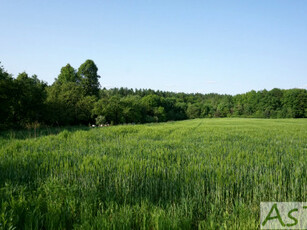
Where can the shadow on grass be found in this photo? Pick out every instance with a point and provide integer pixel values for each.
(23, 134)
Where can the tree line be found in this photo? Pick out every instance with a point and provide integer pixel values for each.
(76, 98)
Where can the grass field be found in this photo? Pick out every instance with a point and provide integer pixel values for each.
(196, 174)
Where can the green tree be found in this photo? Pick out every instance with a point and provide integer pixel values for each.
(62, 103)
(68, 74)
(133, 111)
(152, 104)
(159, 114)
(87, 73)
(295, 103)
(84, 108)
(193, 111)
(224, 108)
(206, 110)
(30, 97)
(7, 98)
(110, 108)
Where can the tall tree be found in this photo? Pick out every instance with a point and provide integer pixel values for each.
(30, 98)
(68, 74)
(87, 73)
(62, 103)
(7, 98)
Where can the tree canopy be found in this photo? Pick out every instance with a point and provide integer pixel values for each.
(76, 98)
(68, 74)
(87, 72)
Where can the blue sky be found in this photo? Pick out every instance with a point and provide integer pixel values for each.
(183, 46)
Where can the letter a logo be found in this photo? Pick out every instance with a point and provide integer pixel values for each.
(270, 217)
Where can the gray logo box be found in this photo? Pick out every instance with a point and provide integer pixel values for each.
(283, 215)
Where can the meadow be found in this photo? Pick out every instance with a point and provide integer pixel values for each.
(195, 174)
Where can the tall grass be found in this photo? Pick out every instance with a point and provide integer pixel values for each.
(197, 174)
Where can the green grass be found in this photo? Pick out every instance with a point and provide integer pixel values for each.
(196, 174)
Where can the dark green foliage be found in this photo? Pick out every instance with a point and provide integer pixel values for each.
(21, 100)
(67, 104)
(87, 73)
(133, 110)
(7, 90)
(62, 102)
(30, 98)
(154, 106)
(193, 110)
(75, 98)
(294, 103)
(110, 108)
(68, 74)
